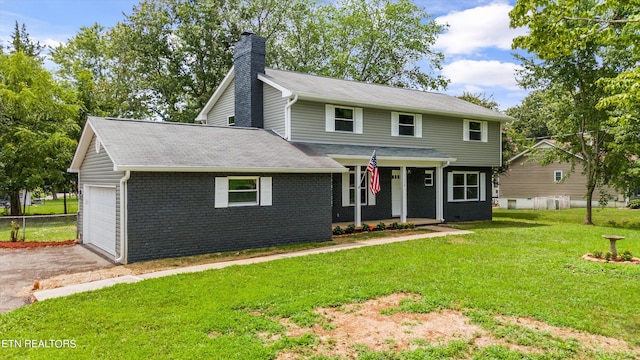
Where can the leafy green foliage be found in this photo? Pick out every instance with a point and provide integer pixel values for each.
(634, 204)
(572, 57)
(38, 118)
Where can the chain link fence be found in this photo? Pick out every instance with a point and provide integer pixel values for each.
(39, 227)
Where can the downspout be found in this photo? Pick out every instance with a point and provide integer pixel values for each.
(287, 117)
(123, 218)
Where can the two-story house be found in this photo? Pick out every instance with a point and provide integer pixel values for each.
(276, 159)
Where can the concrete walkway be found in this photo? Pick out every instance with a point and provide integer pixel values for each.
(94, 285)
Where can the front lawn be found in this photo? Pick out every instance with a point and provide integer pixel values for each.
(524, 264)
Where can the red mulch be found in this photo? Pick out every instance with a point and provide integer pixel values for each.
(32, 244)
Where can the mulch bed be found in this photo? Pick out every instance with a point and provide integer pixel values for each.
(590, 257)
(33, 244)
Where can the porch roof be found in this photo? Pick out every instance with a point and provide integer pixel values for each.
(347, 151)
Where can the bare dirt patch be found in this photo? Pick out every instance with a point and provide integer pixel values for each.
(348, 327)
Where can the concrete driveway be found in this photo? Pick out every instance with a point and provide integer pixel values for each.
(19, 268)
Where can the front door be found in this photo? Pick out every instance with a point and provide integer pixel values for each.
(396, 193)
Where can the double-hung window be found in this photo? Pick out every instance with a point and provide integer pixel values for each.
(350, 186)
(343, 119)
(475, 130)
(467, 186)
(243, 191)
(557, 176)
(404, 124)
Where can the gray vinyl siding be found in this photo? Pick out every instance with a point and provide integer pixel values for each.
(223, 108)
(274, 106)
(529, 179)
(97, 169)
(445, 134)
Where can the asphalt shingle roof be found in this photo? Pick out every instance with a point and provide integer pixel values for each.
(139, 145)
(373, 95)
(366, 150)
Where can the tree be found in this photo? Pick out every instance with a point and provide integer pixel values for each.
(170, 55)
(36, 116)
(21, 42)
(571, 59)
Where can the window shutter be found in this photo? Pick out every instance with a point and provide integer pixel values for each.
(465, 130)
(395, 123)
(483, 186)
(371, 198)
(265, 191)
(330, 118)
(222, 192)
(358, 120)
(485, 131)
(345, 189)
(418, 129)
(450, 186)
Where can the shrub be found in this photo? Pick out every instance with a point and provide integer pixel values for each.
(351, 228)
(396, 226)
(366, 227)
(598, 254)
(608, 256)
(634, 204)
(381, 226)
(15, 231)
(338, 231)
(626, 255)
(410, 226)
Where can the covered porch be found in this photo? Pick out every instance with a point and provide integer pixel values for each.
(411, 184)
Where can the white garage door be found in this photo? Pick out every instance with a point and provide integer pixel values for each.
(99, 221)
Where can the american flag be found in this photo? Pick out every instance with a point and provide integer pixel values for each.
(374, 186)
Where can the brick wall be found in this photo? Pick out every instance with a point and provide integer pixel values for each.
(173, 214)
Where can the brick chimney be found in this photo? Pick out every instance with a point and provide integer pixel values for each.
(249, 61)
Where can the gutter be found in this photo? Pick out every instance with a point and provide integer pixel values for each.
(122, 259)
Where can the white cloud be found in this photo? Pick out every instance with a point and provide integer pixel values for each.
(477, 28)
(482, 73)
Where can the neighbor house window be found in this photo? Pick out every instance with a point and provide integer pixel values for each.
(231, 120)
(557, 176)
(343, 119)
(475, 130)
(349, 187)
(243, 191)
(638, 192)
(467, 186)
(403, 124)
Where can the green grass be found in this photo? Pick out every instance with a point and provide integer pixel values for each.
(39, 229)
(525, 263)
(50, 207)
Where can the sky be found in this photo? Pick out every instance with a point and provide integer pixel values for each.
(476, 45)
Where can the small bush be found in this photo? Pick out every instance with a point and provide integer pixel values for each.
(608, 256)
(338, 231)
(381, 226)
(351, 228)
(634, 204)
(598, 254)
(410, 226)
(396, 226)
(15, 231)
(366, 227)
(626, 255)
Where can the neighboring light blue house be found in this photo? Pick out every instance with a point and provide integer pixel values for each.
(274, 161)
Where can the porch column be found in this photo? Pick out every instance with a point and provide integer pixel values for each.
(403, 207)
(357, 210)
(439, 194)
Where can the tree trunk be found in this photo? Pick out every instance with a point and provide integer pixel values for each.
(588, 220)
(14, 197)
(55, 194)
